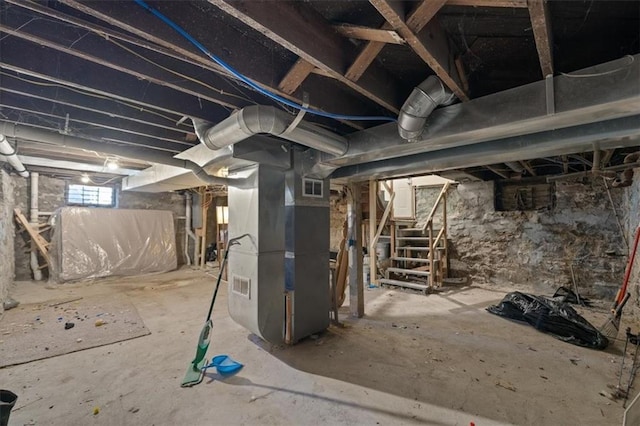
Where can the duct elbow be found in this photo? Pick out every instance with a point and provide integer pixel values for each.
(426, 97)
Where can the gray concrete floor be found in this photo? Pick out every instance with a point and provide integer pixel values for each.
(438, 360)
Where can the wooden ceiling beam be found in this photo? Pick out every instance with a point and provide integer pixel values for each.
(295, 76)
(227, 42)
(541, 24)
(419, 17)
(369, 34)
(429, 43)
(303, 31)
(488, 3)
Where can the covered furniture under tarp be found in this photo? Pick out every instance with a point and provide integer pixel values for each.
(95, 242)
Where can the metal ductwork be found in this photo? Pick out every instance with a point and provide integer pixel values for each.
(426, 97)
(11, 156)
(627, 175)
(21, 131)
(260, 119)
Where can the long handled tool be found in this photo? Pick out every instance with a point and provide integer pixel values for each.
(195, 372)
(611, 327)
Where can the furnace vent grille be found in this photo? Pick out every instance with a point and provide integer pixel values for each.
(241, 285)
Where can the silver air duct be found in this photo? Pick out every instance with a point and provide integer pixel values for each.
(10, 155)
(33, 134)
(426, 97)
(259, 119)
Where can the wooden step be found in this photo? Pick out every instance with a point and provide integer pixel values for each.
(413, 238)
(417, 248)
(410, 229)
(410, 259)
(417, 272)
(407, 284)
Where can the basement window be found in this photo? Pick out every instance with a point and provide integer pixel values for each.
(90, 196)
(312, 188)
(524, 196)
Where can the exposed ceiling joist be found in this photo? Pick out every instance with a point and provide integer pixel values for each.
(370, 34)
(488, 3)
(303, 31)
(117, 63)
(227, 42)
(541, 24)
(365, 58)
(295, 76)
(419, 17)
(429, 43)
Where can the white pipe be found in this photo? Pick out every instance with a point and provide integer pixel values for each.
(33, 211)
(189, 232)
(10, 155)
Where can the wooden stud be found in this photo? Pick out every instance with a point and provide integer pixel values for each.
(296, 75)
(430, 44)
(373, 218)
(356, 286)
(540, 22)
(366, 56)
(370, 34)
(528, 167)
(488, 3)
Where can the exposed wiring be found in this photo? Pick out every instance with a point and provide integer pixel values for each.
(186, 77)
(250, 82)
(82, 92)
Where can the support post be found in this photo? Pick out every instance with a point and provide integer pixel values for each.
(373, 219)
(203, 246)
(356, 285)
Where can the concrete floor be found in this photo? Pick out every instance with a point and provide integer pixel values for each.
(437, 360)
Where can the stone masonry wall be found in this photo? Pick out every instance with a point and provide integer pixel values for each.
(534, 249)
(630, 209)
(338, 214)
(6, 236)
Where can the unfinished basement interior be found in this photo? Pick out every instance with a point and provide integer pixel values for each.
(261, 212)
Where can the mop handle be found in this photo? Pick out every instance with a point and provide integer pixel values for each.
(231, 242)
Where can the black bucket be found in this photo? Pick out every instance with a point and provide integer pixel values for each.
(7, 401)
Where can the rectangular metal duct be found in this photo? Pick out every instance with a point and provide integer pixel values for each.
(256, 266)
(307, 251)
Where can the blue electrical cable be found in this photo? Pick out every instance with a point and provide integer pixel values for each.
(246, 80)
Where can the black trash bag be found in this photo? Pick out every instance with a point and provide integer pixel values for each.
(550, 316)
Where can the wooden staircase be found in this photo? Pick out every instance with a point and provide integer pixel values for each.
(420, 254)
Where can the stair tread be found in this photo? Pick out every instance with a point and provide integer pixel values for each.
(409, 271)
(413, 238)
(417, 248)
(410, 259)
(407, 284)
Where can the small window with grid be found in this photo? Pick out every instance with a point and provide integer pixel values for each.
(312, 188)
(90, 196)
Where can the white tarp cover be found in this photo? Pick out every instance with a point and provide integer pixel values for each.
(95, 242)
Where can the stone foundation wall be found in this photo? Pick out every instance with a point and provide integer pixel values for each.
(7, 229)
(338, 209)
(534, 249)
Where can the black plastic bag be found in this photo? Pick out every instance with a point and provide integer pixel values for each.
(550, 316)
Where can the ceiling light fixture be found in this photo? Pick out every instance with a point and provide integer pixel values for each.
(112, 163)
(85, 178)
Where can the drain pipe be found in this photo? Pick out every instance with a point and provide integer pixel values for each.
(256, 119)
(426, 97)
(189, 234)
(20, 131)
(12, 158)
(627, 175)
(33, 212)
